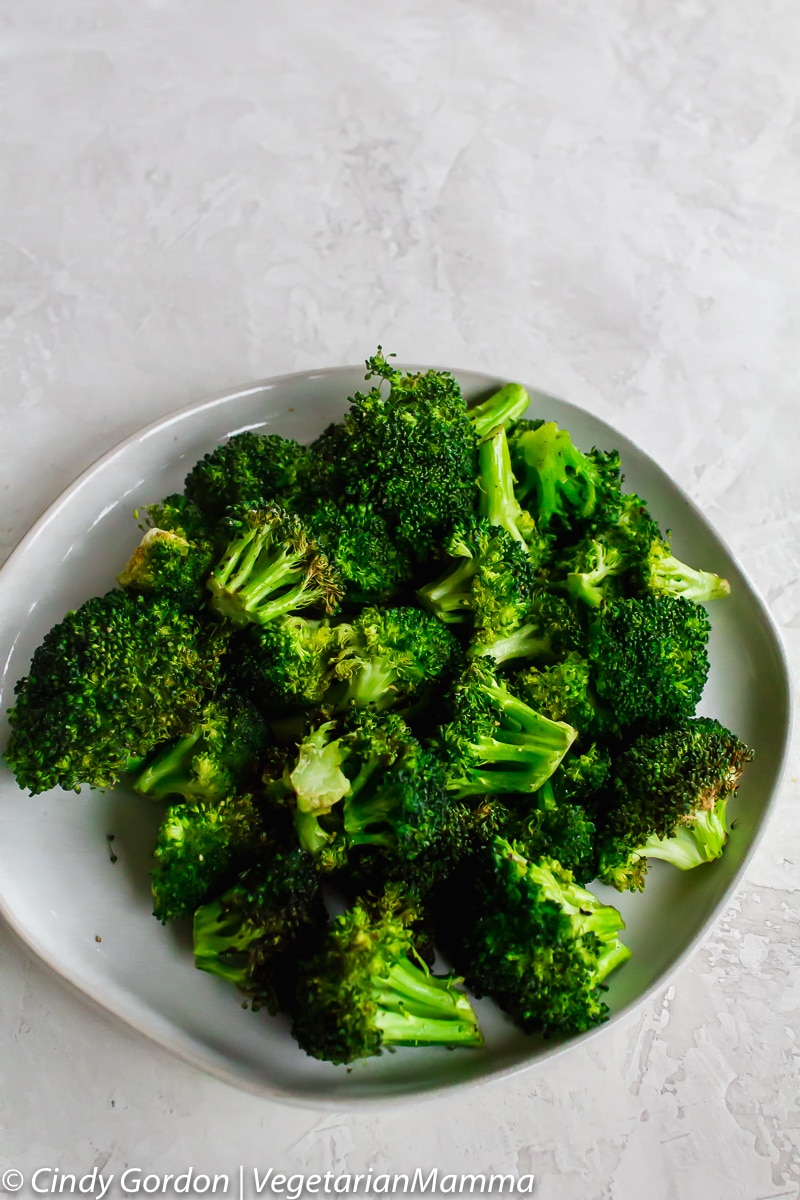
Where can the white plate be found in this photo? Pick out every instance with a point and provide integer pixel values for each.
(61, 892)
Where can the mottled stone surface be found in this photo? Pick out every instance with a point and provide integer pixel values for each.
(601, 198)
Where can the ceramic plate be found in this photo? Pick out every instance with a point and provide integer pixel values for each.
(89, 917)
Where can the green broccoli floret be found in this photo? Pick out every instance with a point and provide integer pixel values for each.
(250, 470)
(358, 539)
(219, 757)
(396, 802)
(311, 783)
(562, 691)
(665, 575)
(254, 934)
(271, 567)
(115, 678)
(286, 664)
(649, 657)
(365, 990)
(490, 586)
(668, 800)
(556, 481)
(199, 845)
(391, 657)
(539, 944)
(495, 743)
(410, 453)
(175, 554)
(549, 632)
(552, 827)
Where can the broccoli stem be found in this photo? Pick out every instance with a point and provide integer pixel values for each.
(525, 642)
(450, 596)
(372, 683)
(259, 582)
(497, 501)
(502, 408)
(417, 1008)
(666, 573)
(169, 773)
(520, 755)
(221, 942)
(698, 841)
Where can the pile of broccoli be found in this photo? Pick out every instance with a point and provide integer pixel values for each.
(408, 689)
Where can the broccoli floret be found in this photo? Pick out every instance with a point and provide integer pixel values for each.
(250, 470)
(539, 944)
(286, 664)
(271, 567)
(358, 539)
(311, 784)
(562, 691)
(396, 802)
(199, 845)
(391, 657)
(175, 554)
(550, 631)
(665, 575)
(556, 481)
(365, 990)
(650, 658)
(490, 586)
(115, 678)
(551, 827)
(495, 743)
(668, 800)
(410, 453)
(219, 757)
(255, 932)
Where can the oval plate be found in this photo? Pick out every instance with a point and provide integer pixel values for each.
(89, 917)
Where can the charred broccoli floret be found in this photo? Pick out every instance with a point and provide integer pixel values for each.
(668, 800)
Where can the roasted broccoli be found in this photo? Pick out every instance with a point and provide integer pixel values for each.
(117, 677)
(668, 800)
(365, 990)
(250, 470)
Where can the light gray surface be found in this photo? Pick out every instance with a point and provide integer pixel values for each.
(601, 198)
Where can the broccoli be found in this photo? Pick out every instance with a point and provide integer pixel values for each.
(554, 828)
(538, 943)
(250, 470)
(664, 574)
(286, 664)
(358, 539)
(649, 657)
(410, 453)
(253, 934)
(363, 992)
(668, 800)
(562, 691)
(495, 743)
(121, 674)
(550, 631)
(199, 845)
(175, 554)
(556, 482)
(219, 757)
(391, 657)
(491, 585)
(396, 801)
(271, 567)
(504, 407)
(497, 502)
